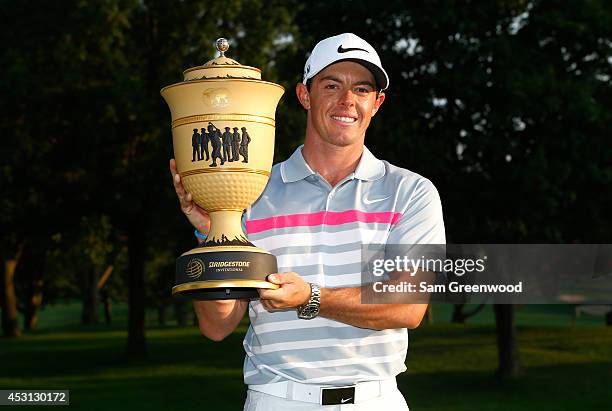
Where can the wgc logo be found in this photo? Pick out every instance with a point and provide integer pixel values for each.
(194, 268)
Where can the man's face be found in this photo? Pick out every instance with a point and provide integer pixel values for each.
(341, 102)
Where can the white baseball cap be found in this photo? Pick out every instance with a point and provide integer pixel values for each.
(345, 47)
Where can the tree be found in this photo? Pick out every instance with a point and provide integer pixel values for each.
(29, 282)
(93, 130)
(503, 105)
(148, 51)
(8, 298)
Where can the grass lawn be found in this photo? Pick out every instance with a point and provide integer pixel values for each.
(568, 366)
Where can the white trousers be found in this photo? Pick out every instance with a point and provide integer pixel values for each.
(258, 401)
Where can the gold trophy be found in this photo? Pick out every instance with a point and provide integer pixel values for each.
(223, 136)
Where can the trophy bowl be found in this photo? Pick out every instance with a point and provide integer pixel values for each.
(223, 137)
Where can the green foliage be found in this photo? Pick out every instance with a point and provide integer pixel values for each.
(505, 105)
(90, 248)
(87, 133)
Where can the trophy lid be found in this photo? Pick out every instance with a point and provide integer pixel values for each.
(222, 67)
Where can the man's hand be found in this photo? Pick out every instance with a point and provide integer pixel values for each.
(293, 292)
(196, 215)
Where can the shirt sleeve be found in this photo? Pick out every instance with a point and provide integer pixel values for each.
(422, 220)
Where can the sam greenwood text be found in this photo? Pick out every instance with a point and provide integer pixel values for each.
(453, 287)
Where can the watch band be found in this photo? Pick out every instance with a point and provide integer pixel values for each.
(310, 310)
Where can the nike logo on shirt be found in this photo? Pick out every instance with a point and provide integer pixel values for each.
(376, 200)
(346, 50)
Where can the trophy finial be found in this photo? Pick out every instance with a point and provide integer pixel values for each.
(222, 45)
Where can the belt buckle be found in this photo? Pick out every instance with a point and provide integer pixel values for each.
(338, 395)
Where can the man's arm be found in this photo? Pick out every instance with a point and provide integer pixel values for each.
(345, 304)
(218, 318)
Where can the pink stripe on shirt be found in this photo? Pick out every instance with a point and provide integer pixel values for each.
(319, 218)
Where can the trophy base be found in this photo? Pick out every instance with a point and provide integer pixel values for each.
(223, 272)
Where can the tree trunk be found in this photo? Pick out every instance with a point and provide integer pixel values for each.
(161, 314)
(136, 345)
(181, 312)
(34, 302)
(106, 303)
(30, 279)
(428, 313)
(9, 300)
(509, 365)
(91, 302)
(103, 295)
(459, 315)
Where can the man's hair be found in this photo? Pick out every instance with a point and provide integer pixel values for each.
(309, 83)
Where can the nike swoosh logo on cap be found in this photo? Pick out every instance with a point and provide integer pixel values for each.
(342, 401)
(346, 50)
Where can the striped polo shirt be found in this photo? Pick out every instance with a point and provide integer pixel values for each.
(317, 231)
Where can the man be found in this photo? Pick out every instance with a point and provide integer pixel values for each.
(204, 146)
(214, 135)
(235, 144)
(200, 143)
(195, 145)
(244, 145)
(312, 344)
(227, 141)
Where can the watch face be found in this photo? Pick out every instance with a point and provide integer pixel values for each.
(309, 311)
(311, 308)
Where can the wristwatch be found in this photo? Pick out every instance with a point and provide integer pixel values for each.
(310, 310)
